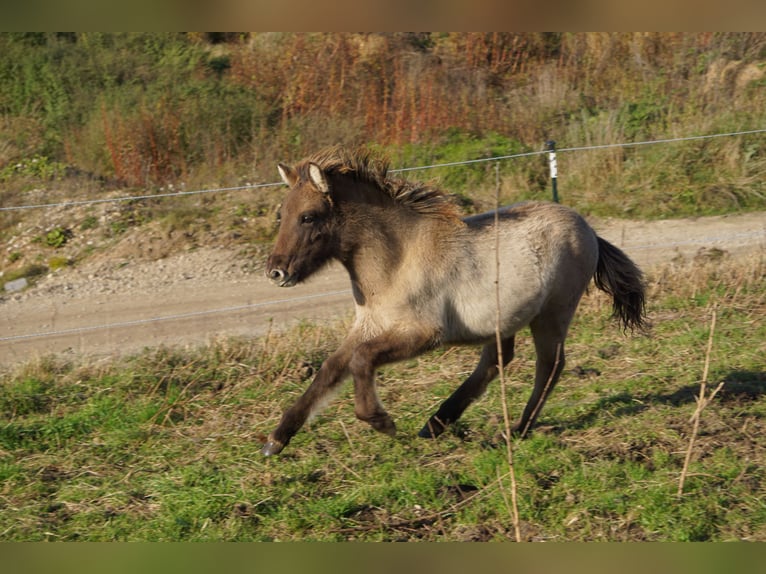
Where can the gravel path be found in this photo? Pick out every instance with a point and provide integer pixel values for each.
(108, 307)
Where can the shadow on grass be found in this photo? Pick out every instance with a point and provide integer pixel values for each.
(740, 387)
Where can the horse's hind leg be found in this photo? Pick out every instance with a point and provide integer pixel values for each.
(549, 335)
(471, 389)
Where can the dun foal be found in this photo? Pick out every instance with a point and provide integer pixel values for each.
(422, 277)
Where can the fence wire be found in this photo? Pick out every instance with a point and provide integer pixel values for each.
(73, 203)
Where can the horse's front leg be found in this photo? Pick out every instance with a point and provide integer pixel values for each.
(367, 357)
(330, 375)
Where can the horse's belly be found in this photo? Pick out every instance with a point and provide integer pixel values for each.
(474, 317)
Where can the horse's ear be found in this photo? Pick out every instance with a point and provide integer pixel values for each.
(318, 178)
(287, 174)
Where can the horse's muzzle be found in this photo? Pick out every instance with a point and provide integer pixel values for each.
(280, 277)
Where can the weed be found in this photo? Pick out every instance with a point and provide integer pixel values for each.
(55, 263)
(259, 98)
(58, 237)
(90, 222)
(117, 227)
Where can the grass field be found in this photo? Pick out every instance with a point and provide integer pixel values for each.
(164, 445)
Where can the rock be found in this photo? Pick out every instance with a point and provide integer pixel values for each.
(16, 285)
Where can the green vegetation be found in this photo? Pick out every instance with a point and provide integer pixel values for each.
(57, 237)
(164, 445)
(36, 168)
(55, 263)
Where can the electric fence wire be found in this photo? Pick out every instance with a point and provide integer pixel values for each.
(73, 203)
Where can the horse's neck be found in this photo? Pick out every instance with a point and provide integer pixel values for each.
(374, 242)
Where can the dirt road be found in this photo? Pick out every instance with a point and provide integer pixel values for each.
(111, 307)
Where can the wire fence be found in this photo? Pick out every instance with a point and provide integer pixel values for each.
(74, 203)
(746, 236)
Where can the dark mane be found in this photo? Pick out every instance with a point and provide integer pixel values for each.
(363, 166)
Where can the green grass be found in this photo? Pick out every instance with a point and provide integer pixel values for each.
(164, 445)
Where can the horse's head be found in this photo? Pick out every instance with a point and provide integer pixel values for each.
(305, 240)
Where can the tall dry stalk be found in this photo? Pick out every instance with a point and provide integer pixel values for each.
(514, 507)
(702, 401)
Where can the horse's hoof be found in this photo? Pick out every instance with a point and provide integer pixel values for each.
(272, 447)
(432, 429)
(520, 429)
(384, 425)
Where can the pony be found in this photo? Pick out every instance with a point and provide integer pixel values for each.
(422, 276)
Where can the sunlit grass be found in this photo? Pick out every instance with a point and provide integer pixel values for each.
(164, 445)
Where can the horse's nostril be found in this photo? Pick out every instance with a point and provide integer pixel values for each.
(276, 274)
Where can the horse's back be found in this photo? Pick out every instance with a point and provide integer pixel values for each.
(548, 230)
(565, 245)
(548, 254)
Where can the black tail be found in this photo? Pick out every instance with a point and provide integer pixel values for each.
(618, 276)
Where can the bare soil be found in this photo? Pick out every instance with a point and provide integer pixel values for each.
(116, 303)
